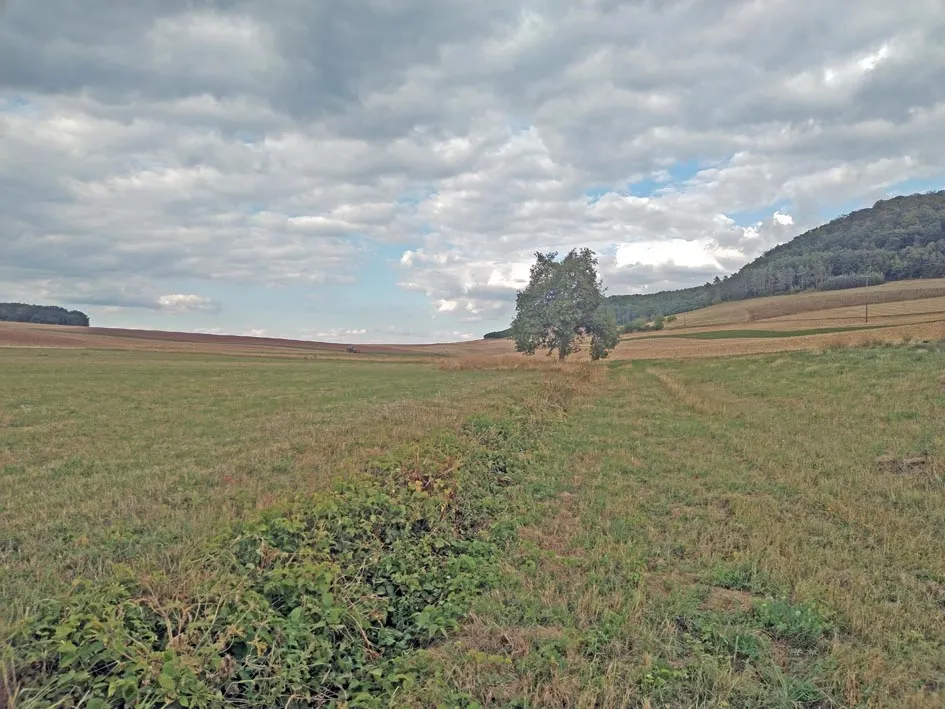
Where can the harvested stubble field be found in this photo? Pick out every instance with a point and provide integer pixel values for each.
(897, 312)
(745, 532)
(677, 346)
(818, 309)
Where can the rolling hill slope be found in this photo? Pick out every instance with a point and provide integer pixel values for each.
(896, 239)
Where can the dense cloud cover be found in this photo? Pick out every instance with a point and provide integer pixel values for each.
(384, 169)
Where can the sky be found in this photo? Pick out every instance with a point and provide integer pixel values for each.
(385, 170)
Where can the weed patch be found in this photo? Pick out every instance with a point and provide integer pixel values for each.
(318, 604)
(801, 624)
(742, 577)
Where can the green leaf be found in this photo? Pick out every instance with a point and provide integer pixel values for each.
(166, 683)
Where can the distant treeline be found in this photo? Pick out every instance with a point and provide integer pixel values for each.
(896, 239)
(42, 314)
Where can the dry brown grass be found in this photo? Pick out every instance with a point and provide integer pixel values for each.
(505, 362)
(682, 348)
(888, 313)
(784, 306)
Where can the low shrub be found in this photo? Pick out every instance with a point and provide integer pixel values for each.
(319, 605)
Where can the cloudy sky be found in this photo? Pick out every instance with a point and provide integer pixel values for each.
(383, 170)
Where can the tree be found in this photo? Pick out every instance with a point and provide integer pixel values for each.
(561, 305)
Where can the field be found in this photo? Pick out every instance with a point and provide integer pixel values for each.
(892, 312)
(460, 526)
(887, 302)
(50, 336)
(117, 456)
(759, 532)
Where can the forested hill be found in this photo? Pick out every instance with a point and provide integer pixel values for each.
(42, 314)
(895, 239)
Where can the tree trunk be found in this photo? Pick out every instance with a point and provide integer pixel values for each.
(561, 355)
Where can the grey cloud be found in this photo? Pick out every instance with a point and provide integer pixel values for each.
(652, 279)
(133, 294)
(307, 58)
(274, 142)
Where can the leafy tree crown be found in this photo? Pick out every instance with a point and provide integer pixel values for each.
(561, 305)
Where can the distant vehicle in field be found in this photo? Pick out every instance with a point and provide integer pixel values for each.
(352, 349)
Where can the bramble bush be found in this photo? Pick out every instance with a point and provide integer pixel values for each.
(318, 605)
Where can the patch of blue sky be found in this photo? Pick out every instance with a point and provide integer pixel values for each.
(748, 217)
(670, 178)
(416, 196)
(377, 278)
(373, 301)
(15, 104)
(595, 193)
(519, 124)
(247, 138)
(905, 187)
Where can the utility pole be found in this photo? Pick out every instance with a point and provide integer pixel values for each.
(867, 299)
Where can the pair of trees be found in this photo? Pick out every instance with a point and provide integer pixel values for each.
(561, 306)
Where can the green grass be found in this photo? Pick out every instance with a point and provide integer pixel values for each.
(141, 457)
(717, 534)
(709, 533)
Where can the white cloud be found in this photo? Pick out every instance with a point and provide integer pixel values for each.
(287, 147)
(341, 332)
(187, 303)
(678, 252)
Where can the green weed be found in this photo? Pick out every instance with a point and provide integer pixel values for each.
(802, 624)
(742, 577)
(310, 606)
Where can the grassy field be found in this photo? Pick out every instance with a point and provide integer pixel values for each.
(140, 457)
(757, 531)
(729, 533)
